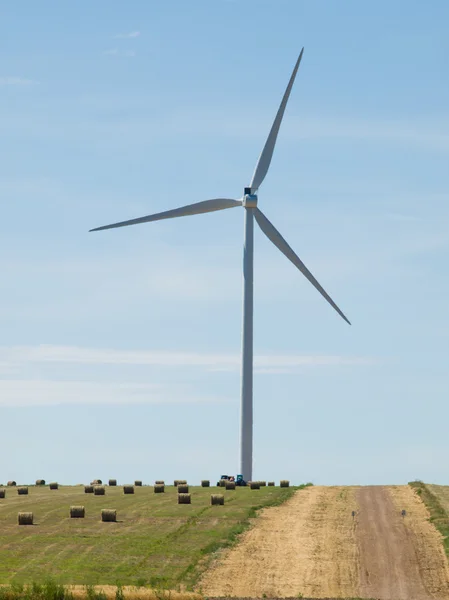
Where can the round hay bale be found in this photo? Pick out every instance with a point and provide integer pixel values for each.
(262, 483)
(22, 491)
(109, 515)
(271, 483)
(183, 488)
(96, 482)
(25, 518)
(54, 485)
(222, 482)
(254, 485)
(184, 498)
(99, 490)
(112, 482)
(2, 493)
(88, 489)
(138, 483)
(284, 483)
(205, 483)
(159, 488)
(178, 481)
(128, 489)
(77, 512)
(40, 481)
(11, 483)
(216, 499)
(230, 485)
(159, 482)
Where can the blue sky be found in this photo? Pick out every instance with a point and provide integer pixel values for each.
(119, 350)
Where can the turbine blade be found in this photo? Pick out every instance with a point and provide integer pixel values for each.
(265, 158)
(183, 211)
(273, 234)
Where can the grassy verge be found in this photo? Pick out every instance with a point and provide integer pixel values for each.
(438, 515)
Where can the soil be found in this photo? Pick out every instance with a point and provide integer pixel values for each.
(313, 545)
(401, 557)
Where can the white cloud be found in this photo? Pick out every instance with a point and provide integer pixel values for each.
(17, 355)
(131, 34)
(117, 52)
(17, 392)
(61, 375)
(17, 81)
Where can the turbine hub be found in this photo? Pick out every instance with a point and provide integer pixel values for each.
(249, 199)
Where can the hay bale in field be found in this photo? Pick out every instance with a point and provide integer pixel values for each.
(179, 481)
(284, 483)
(128, 489)
(230, 485)
(159, 488)
(77, 512)
(216, 499)
(11, 483)
(25, 518)
(2, 493)
(205, 483)
(184, 498)
(159, 482)
(22, 491)
(112, 482)
(183, 488)
(254, 485)
(99, 490)
(109, 515)
(222, 482)
(262, 483)
(96, 482)
(271, 483)
(40, 481)
(138, 483)
(88, 489)
(54, 485)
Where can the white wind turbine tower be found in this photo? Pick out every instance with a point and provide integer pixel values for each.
(249, 203)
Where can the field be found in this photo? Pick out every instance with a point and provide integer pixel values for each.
(155, 541)
(313, 546)
(383, 542)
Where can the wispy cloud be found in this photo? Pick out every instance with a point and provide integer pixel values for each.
(38, 392)
(117, 52)
(131, 34)
(402, 218)
(17, 81)
(60, 375)
(16, 355)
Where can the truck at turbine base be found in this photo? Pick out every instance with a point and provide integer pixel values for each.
(238, 479)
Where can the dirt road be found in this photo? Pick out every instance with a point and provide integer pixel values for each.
(312, 545)
(399, 557)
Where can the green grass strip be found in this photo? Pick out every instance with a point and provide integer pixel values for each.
(438, 516)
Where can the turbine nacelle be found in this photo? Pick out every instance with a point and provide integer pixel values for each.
(249, 200)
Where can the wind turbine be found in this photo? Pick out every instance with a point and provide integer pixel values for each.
(249, 203)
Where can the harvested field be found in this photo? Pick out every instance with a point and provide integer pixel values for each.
(305, 546)
(155, 540)
(312, 545)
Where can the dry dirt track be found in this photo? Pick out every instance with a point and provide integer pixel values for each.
(313, 546)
